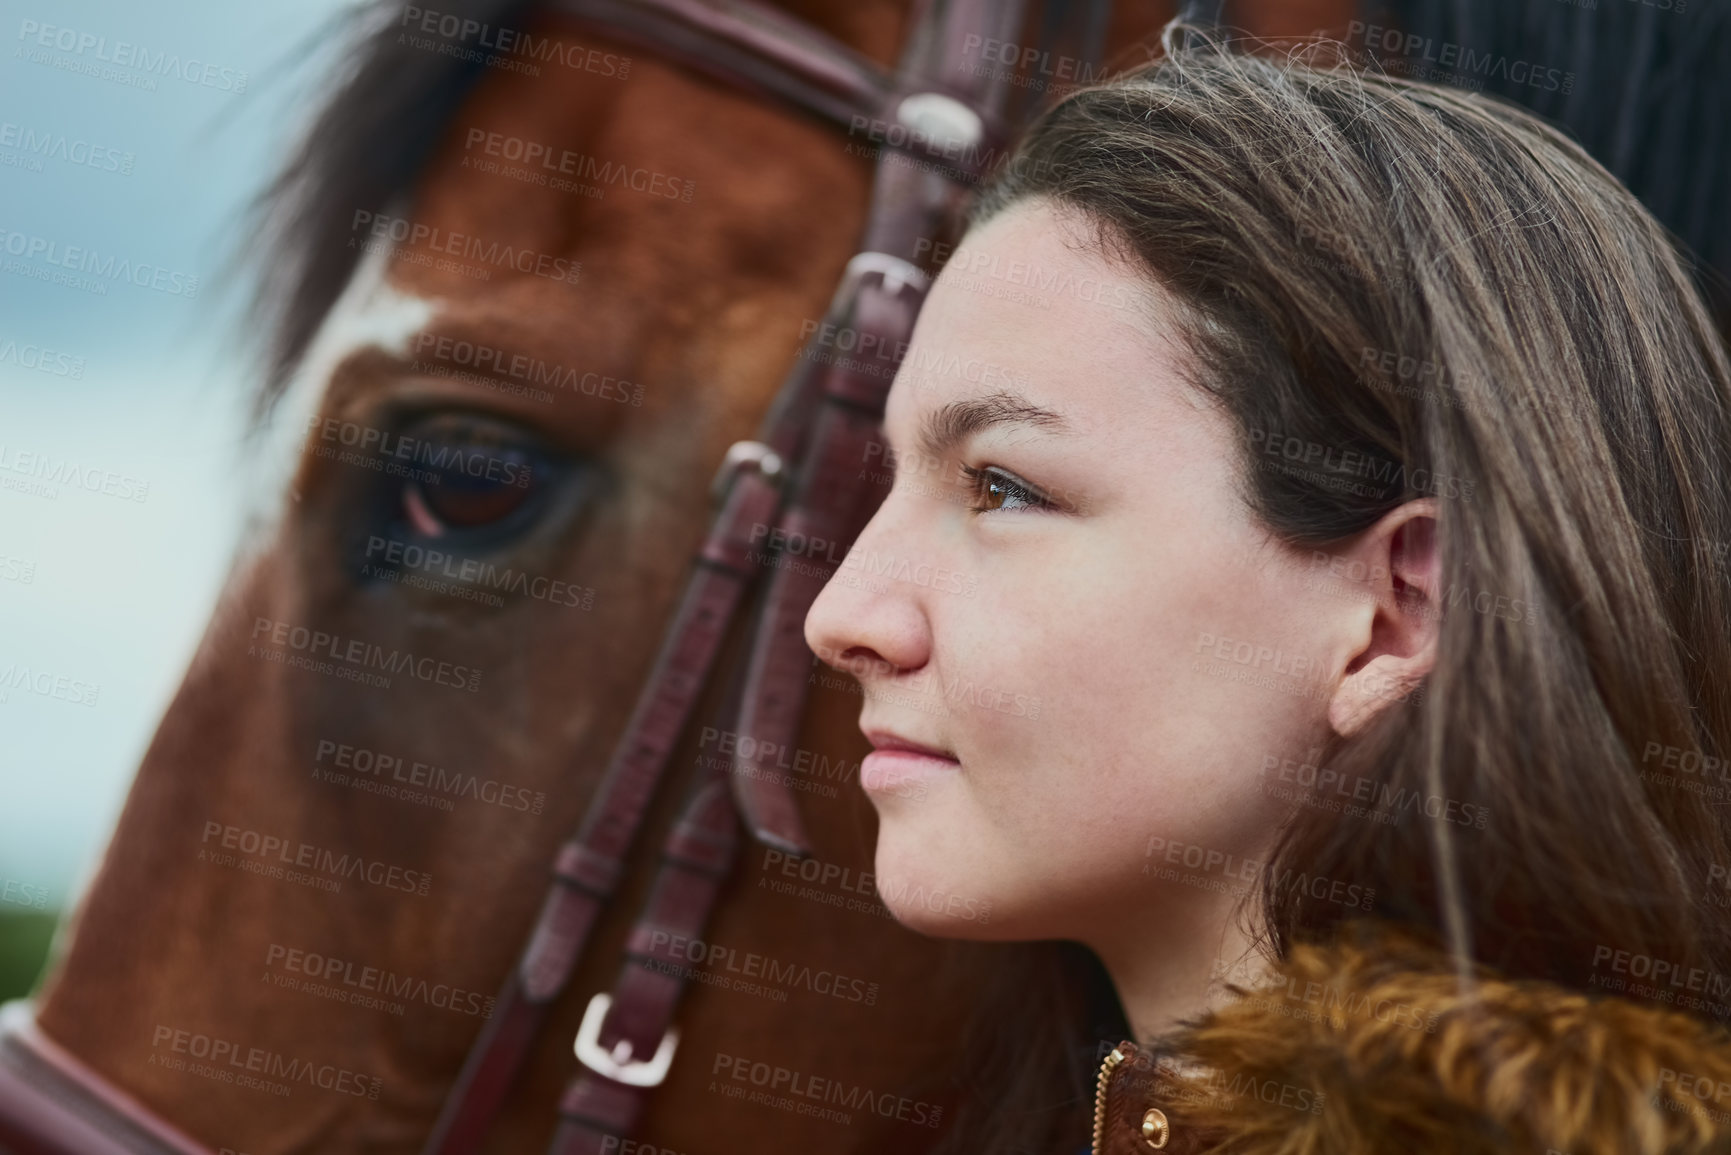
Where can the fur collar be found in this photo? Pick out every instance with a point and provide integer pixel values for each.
(1368, 1046)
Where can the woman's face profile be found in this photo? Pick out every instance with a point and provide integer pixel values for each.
(1093, 626)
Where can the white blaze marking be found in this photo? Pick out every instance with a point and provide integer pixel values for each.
(370, 314)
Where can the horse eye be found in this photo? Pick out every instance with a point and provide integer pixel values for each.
(453, 498)
(463, 475)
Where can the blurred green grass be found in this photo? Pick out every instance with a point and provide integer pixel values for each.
(24, 937)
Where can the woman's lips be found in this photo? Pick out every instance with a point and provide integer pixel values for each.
(890, 768)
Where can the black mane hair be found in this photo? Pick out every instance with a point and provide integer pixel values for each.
(389, 101)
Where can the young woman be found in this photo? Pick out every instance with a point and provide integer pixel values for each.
(1336, 645)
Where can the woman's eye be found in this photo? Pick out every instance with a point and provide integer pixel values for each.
(994, 490)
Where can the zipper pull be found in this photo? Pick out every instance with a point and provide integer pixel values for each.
(1119, 1054)
(1156, 1130)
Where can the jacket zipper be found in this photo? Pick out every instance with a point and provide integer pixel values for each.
(1106, 1068)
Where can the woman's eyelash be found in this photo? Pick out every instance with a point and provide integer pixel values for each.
(993, 485)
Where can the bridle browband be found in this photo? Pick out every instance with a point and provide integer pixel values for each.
(939, 121)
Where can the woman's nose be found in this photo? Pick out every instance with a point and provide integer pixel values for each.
(867, 625)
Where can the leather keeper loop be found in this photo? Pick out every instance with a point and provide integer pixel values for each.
(586, 870)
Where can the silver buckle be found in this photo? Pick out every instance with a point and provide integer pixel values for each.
(741, 454)
(618, 1064)
(897, 272)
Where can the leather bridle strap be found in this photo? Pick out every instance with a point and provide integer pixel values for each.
(764, 51)
(748, 45)
(589, 866)
(907, 205)
(696, 859)
(878, 303)
(52, 1104)
(829, 505)
(607, 1099)
(842, 481)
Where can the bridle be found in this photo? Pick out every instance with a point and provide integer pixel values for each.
(940, 121)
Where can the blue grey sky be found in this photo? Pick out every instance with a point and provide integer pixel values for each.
(137, 133)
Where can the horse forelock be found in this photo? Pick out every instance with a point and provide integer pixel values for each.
(367, 146)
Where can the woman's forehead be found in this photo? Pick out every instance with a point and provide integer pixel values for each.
(1030, 298)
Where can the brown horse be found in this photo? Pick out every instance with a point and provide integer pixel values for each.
(341, 831)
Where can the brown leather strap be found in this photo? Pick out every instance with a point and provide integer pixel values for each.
(748, 45)
(52, 1104)
(879, 302)
(695, 863)
(828, 507)
(589, 866)
(762, 50)
(907, 206)
(596, 1107)
(829, 503)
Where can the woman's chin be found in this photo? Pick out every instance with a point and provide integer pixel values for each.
(928, 903)
(912, 912)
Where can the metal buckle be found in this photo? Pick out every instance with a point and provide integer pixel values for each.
(739, 455)
(618, 1064)
(897, 273)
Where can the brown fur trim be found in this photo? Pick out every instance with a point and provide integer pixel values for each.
(1371, 1045)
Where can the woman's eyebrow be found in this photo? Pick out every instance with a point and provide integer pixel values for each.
(949, 425)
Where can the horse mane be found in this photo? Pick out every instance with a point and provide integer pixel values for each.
(1647, 102)
(388, 104)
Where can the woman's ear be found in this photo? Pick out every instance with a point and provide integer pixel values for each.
(1395, 646)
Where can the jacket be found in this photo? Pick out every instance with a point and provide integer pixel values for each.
(1371, 1045)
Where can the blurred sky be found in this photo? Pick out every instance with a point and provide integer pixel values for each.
(121, 589)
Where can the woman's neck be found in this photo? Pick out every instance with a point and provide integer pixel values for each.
(1173, 962)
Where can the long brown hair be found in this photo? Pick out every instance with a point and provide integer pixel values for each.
(1437, 281)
